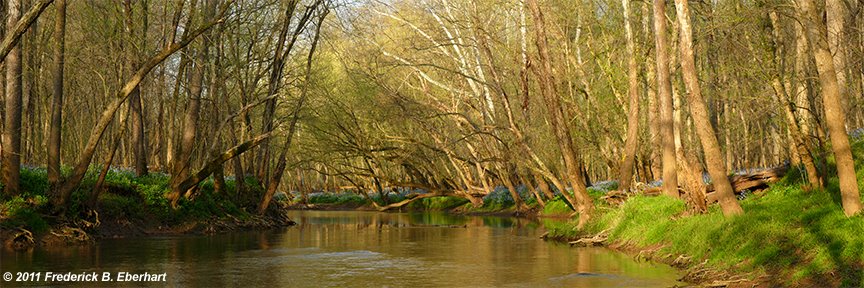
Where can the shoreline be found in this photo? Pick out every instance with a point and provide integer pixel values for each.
(73, 234)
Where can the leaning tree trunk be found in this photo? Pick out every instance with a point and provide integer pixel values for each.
(14, 31)
(832, 98)
(701, 120)
(800, 144)
(557, 119)
(283, 157)
(664, 93)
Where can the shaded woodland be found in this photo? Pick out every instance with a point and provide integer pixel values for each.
(451, 97)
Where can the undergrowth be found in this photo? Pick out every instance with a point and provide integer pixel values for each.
(124, 196)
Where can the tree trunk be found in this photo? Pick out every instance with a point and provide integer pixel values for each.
(12, 124)
(215, 162)
(832, 98)
(801, 90)
(528, 185)
(280, 54)
(702, 121)
(626, 173)
(517, 200)
(107, 116)
(274, 182)
(139, 141)
(13, 30)
(664, 92)
(112, 151)
(239, 174)
(800, 144)
(183, 159)
(557, 119)
(54, 138)
(835, 12)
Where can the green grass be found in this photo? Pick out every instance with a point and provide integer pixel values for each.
(345, 198)
(437, 203)
(793, 234)
(556, 207)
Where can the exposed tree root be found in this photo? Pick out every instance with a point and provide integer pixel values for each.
(597, 240)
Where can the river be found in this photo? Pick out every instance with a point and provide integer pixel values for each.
(354, 249)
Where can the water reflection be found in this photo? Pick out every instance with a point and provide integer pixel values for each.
(359, 249)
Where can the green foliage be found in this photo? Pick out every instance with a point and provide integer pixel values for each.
(337, 198)
(437, 203)
(34, 181)
(557, 207)
(391, 197)
(113, 204)
(21, 212)
(124, 196)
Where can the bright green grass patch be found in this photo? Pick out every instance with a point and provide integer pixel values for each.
(337, 198)
(556, 207)
(437, 203)
(802, 234)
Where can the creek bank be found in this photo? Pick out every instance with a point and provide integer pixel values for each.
(74, 233)
(697, 274)
(788, 237)
(129, 206)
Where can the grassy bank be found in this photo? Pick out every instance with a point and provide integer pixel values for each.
(129, 205)
(789, 236)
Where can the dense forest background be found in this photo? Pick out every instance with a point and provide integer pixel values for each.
(453, 97)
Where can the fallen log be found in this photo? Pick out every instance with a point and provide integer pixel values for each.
(410, 198)
(615, 197)
(754, 182)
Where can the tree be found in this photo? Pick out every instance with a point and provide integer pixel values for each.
(14, 31)
(282, 163)
(98, 130)
(139, 140)
(183, 158)
(832, 98)
(631, 144)
(557, 119)
(13, 102)
(701, 119)
(55, 133)
(664, 93)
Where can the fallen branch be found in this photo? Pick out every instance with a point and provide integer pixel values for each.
(411, 198)
(756, 181)
(596, 240)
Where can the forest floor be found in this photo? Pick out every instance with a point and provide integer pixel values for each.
(129, 206)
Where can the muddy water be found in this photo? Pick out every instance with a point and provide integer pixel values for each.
(353, 249)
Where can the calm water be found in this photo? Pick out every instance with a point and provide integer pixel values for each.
(357, 249)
